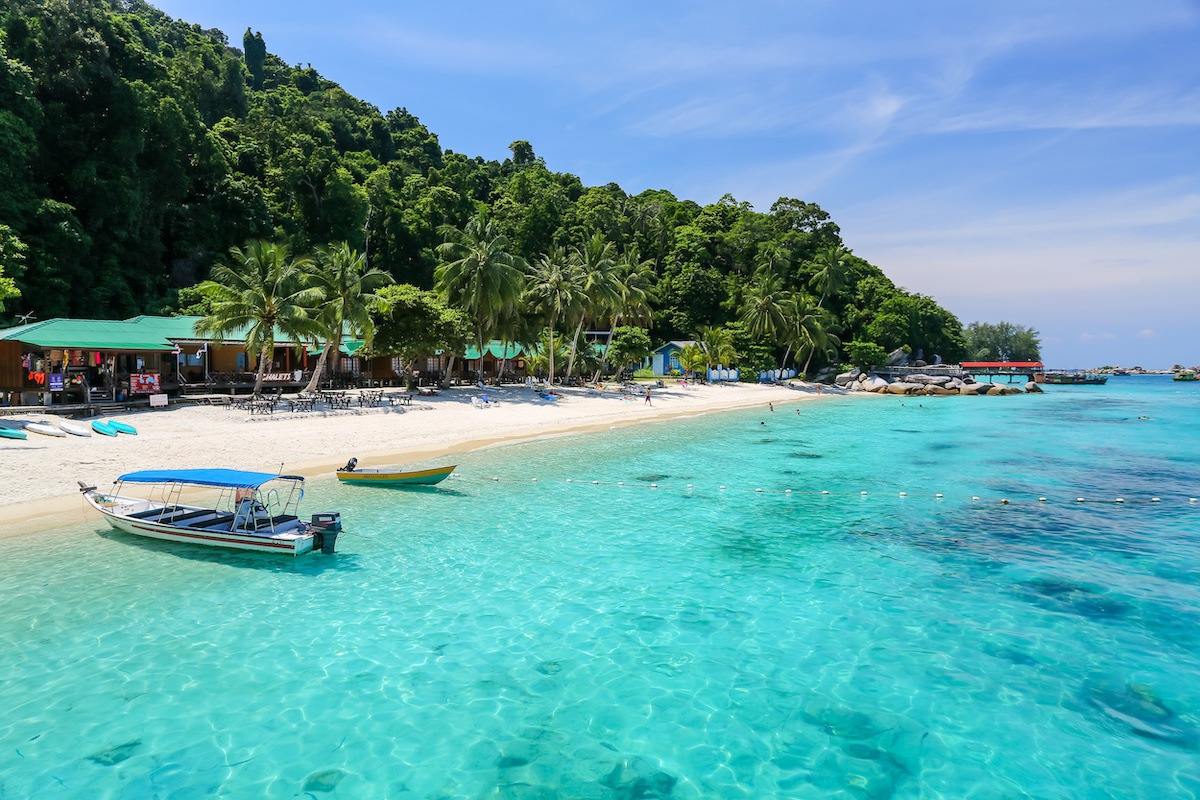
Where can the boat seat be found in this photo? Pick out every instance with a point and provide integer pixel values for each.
(188, 515)
(222, 523)
(150, 512)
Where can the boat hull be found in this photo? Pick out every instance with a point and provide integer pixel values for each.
(75, 429)
(45, 430)
(288, 544)
(12, 433)
(103, 428)
(371, 477)
(1072, 379)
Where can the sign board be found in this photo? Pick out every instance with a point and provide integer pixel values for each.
(54, 381)
(158, 401)
(144, 383)
(281, 376)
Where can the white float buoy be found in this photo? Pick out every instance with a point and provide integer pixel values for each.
(939, 494)
(722, 486)
(654, 486)
(904, 494)
(787, 491)
(1192, 500)
(534, 480)
(758, 490)
(1120, 500)
(569, 480)
(1154, 500)
(689, 486)
(975, 497)
(862, 493)
(1078, 499)
(824, 491)
(1003, 502)
(1041, 499)
(620, 483)
(595, 483)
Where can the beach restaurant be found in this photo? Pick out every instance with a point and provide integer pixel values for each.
(67, 361)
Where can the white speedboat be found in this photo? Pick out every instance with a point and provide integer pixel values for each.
(218, 508)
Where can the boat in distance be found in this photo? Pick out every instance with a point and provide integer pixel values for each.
(1071, 378)
(242, 516)
(390, 477)
(1186, 375)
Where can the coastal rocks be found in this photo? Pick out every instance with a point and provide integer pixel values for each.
(1033, 388)
(902, 387)
(873, 384)
(897, 358)
(846, 378)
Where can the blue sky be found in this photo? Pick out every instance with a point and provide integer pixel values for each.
(1024, 161)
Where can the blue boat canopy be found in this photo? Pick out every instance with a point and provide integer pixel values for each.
(240, 479)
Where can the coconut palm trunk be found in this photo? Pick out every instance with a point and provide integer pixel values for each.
(322, 360)
(264, 355)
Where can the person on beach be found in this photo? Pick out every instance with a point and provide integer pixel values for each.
(771, 406)
(818, 388)
(648, 397)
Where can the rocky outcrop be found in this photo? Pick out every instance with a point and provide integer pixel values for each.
(846, 378)
(1033, 388)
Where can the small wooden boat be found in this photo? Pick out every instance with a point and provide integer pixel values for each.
(390, 477)
(1186, 375)
(100, 426)
(45, 429)
(74, 428)
(243, 516)
(12, 433)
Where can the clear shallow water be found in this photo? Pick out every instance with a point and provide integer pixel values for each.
(552, 639)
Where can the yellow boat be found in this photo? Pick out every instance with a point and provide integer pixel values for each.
(381, 477)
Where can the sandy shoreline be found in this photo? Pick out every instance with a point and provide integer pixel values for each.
(39, 492)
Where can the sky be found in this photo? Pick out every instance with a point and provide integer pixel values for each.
(1022, 161)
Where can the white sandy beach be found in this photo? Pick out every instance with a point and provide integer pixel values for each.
(39, 489)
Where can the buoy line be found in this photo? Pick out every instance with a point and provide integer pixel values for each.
(689, 488)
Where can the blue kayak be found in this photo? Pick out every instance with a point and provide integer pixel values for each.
(121, 427)
(100, 426)
(12, 433)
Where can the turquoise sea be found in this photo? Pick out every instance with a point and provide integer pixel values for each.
(551, 639)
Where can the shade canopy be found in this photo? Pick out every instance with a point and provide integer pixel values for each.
(236, 478)
(1001, 364)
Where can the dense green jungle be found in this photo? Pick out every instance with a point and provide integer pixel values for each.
(136, 150)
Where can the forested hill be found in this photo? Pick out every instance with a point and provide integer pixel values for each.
(135, 150)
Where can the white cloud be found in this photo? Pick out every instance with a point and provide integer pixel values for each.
(1146, 333)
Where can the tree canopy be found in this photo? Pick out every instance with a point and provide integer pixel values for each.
(136, 150)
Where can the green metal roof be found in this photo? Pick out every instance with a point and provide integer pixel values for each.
(496, 349)
(88, 334)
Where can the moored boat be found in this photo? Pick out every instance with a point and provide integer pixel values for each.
(389, 477)
(1071, 378)
(243, 516)
(1184, 375)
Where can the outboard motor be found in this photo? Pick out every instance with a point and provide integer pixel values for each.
(350, 465)
(326, 526)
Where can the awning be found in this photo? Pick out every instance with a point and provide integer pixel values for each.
(240, 479)
(87, 334)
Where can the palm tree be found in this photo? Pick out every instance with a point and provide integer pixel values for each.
(600, 290)
(480, 276)
(692, 358)
(832, 271)
(717, 344)
(553, 290)
(765, 312)
(261, 293)
(811, 329)
(633, 282)
(344, 289)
